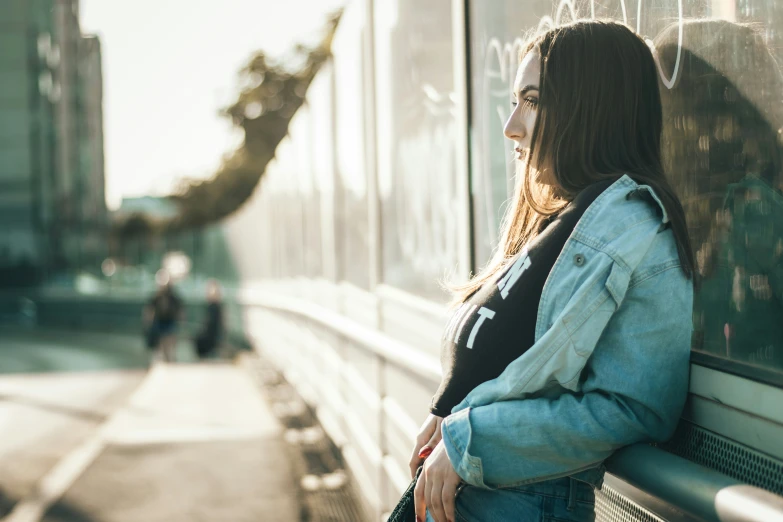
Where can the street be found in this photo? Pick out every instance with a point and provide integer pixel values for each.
(89, 434)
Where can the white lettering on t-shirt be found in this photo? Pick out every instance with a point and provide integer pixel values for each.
(458, 321)
(454, 321)
(512, 276)
(485, 314)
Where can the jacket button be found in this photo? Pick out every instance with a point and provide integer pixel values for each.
(579, 260)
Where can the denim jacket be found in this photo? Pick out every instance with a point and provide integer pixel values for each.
(610, 362)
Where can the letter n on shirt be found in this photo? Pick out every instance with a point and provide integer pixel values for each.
(512, 276)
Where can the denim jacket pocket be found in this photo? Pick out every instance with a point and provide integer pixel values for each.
(586, 322)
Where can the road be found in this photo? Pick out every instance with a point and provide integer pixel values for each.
(91, 435)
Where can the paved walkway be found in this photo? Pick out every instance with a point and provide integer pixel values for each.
(194, 442)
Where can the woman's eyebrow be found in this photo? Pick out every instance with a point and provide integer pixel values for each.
(526, 88)
(523, 90)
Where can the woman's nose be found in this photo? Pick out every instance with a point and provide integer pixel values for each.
(514, 130)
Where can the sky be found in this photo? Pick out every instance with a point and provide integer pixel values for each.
(168, 67)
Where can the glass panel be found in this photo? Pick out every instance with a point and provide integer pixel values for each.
(352, 220)
(721, 147)
(320, 99)
(309, 201)
(416, 130)
(290, 208)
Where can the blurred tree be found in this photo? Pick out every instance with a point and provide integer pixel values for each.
(273, 92)
(130, 235)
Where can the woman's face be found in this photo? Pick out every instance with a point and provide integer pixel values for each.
(519, 127)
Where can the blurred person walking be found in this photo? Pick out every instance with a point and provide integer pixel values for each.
(162, 315)
(208, 340)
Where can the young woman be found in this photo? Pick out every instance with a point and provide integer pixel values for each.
(574, 340)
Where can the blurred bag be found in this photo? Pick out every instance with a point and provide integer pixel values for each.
(406, 510)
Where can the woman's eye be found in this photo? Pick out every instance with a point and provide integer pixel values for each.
(530, 103)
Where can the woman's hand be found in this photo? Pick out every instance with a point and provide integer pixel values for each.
(428, 438)
(436, 488)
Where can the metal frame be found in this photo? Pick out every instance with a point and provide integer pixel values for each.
(698, 491)
(754, 398)
(460, 38)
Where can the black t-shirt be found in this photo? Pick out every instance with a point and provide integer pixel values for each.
(497, 324)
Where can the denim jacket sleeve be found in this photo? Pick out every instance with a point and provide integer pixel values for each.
(634, 389)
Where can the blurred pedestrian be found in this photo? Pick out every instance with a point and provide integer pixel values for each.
(208, 340)
(163, 314)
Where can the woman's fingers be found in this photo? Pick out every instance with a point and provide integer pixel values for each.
(414, 465)
(428, 438)
(419, 502)
(432, 498)
(436, 436)
(423, 453)
(448, 495)
(419, 454)
(441, 485)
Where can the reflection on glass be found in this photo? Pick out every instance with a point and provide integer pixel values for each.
(722, 149)
(416, 131)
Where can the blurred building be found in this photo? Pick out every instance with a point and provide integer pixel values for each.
(92, 214)
(51, 140)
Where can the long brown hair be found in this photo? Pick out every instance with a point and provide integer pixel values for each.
(599, 117)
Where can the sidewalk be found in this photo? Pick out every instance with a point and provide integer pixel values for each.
(195, 442)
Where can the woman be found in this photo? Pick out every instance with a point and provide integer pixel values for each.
(574, 340)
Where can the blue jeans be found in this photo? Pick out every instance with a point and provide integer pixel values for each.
(560, 500)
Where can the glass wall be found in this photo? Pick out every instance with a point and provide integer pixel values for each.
(309, 201)
(320, 98)
(721, 89)
(416, 142)
(287, 229)
(352, 218)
